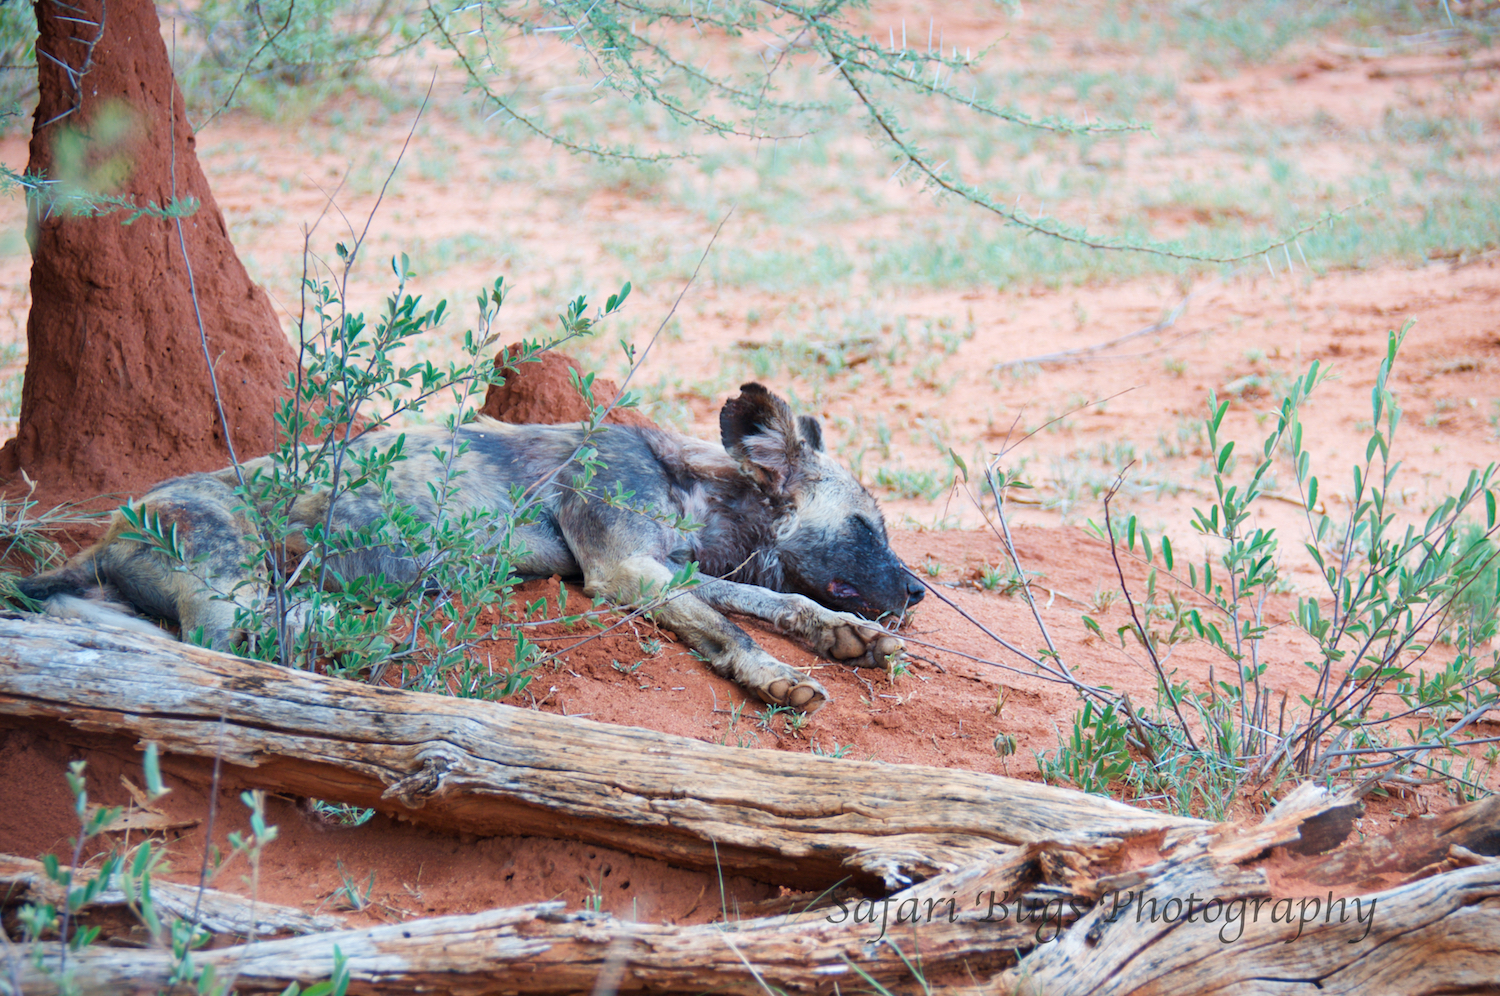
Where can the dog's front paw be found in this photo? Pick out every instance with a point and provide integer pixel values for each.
(852, 638)
(793, 688)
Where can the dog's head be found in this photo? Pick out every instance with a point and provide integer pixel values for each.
(830, 536)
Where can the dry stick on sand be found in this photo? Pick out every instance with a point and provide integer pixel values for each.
(1161, 675)
(1085, 352)
(1483, 66)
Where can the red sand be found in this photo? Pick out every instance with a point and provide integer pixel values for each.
(948, 709)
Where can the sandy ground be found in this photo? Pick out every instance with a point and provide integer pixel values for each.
(900, 377)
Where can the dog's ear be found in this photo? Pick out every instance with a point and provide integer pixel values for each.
(812, 432)
(758, 430)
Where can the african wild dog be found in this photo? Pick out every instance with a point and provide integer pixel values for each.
(788, 536)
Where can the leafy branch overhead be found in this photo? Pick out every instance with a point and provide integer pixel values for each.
(79, 200)
(641, 50)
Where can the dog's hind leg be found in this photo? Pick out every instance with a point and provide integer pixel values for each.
(729, 650)
(839, 636)
(215, 577)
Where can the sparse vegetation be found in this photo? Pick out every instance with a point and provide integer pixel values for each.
(1392, 592)
(52, 932)
(895, 319)
(836, 751)
(923, 484)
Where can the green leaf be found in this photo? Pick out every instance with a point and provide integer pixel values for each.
(154, 787)
(1218, 416)
(963, 467)
(1166, 551)
(617, 300)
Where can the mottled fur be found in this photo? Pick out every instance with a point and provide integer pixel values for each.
(788, 535)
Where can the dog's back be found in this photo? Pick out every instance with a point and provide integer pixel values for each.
(120, 576)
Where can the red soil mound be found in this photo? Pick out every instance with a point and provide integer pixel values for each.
(117, 393)
(541, 392)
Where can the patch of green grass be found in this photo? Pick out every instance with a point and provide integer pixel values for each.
(1446, 220)
(975, 253)
(1001, 578)
(637, 181)
(902, 483)
(1084, 476)
(818, 267)
(1447, 224)
(433, 256)
(17, 49)
(1222, 35)
(341, 813)
(836, 751)
(1096, 753)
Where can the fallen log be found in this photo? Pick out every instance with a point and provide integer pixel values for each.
(1438, 935)
(1415, 845)
(1435, 935)
(1035, 888)
(24, 880)
(477, 767)
(1304, 930)
(542, 949)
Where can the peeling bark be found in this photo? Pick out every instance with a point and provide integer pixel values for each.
(455, 764)
(1034, 889)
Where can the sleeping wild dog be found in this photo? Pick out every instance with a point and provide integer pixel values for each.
(788, 535)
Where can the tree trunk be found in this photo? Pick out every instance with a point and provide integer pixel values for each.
(996, 886)
(117, 393)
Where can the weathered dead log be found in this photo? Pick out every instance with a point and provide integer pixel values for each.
(1413, 846)
(542, 949)
(477, 767)
(1197, 909)
(1436, 935)
(1201, 922)
(24, 880)
(1439, 935)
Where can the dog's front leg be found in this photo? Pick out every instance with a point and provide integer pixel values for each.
(728, 649)
(840, 636)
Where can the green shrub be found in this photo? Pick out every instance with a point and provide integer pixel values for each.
(1391, 593)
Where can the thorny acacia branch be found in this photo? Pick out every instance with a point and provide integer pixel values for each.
(618, 42)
